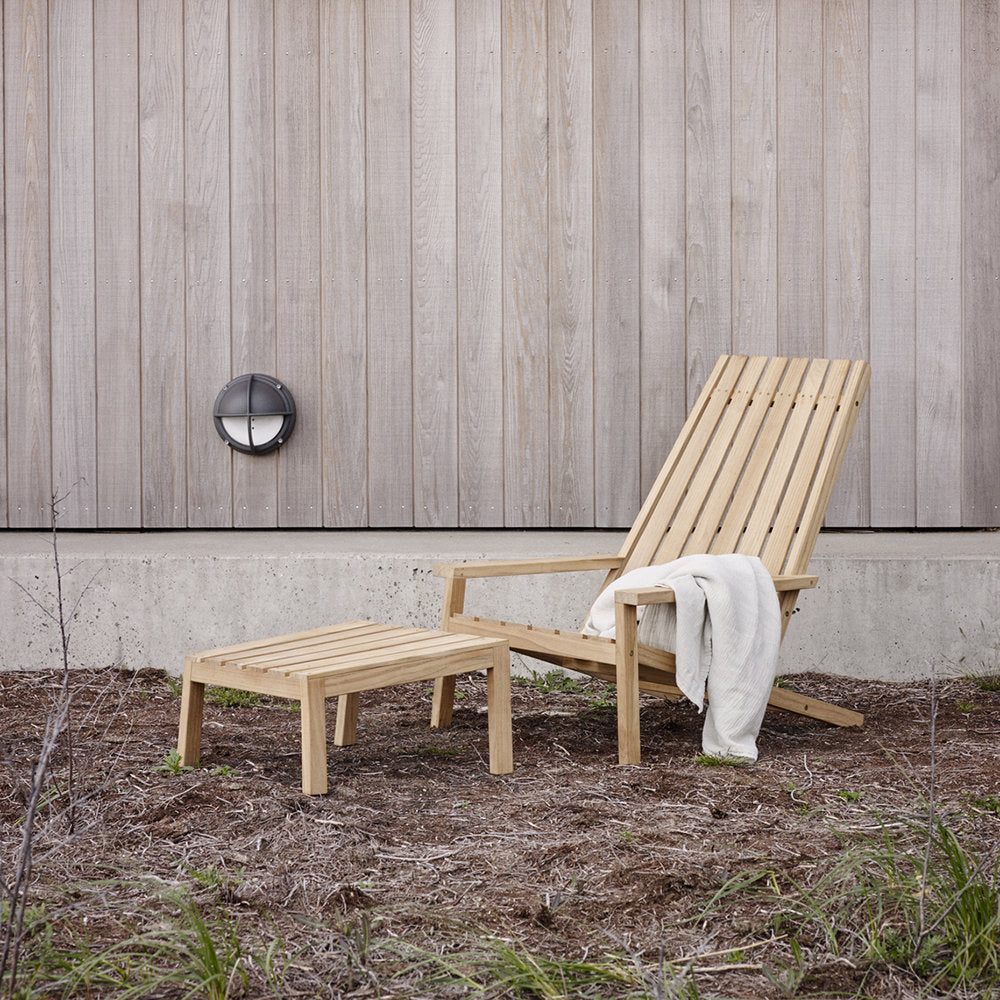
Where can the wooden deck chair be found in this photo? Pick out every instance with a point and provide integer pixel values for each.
(751, 472)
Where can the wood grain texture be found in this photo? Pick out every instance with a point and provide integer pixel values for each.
(71, 263)
(981, 255)
(435, 263)
(26, 106)
(116, 259)
(662, 235)
(847, 227)
(252, 262)
(893, 260)
(345, 340)
(525, 258)
(709, 189)
(480, 266)
(571, 97)
(616, 261)
(297, 257)
(938, 200)
(469, 278)
(755, 177)
(3, 339)
(800, 178)
(206, 252)
(390, 353)
(161, 249)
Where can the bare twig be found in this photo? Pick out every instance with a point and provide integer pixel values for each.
(922, 930)
(17, 892)
(64, 647)
(59, 722)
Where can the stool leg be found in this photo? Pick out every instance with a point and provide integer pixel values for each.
(313, 699)
(498, 708)
(192, 709)
(346, 733)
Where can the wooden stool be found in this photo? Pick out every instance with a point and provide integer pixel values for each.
(342, 661)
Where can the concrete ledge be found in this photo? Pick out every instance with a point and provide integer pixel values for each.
(888, 606)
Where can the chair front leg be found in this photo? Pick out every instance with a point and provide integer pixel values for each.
(444, 687)
(627, 675)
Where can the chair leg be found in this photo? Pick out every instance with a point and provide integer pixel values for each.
(313, 697)
(192, 710)
(444, 687)
(498, 710)
(443, 702)
(801, 704)
(346, 733)
(627, 674)
(789, 701)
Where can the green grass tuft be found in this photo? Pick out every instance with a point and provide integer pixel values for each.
(233, 697)
(172, 763)
(721, 760)
(552, 681)
(490, 965)
(915, 896)
(985, 680)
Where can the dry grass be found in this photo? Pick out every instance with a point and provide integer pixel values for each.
(422, 875)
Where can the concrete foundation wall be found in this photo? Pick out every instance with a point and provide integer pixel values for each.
(888, 605)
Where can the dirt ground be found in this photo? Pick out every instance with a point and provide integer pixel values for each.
(570, 856)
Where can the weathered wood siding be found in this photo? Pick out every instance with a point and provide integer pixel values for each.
(492, 246)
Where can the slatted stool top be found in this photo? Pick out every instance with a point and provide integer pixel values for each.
(347, 656)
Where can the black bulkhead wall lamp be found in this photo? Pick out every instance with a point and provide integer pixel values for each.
(254, 414)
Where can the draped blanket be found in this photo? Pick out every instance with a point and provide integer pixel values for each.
(724, 630)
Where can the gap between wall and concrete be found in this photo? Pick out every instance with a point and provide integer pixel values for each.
(888, 604)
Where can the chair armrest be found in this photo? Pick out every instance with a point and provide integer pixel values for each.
(797, 581)
(664, 595)
(522, 567)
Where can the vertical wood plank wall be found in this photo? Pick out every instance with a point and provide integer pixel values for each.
(116, 264)
(493, 247)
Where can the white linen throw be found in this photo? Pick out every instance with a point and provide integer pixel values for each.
(724, 630)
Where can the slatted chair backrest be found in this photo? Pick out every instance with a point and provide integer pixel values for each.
(754, 465)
